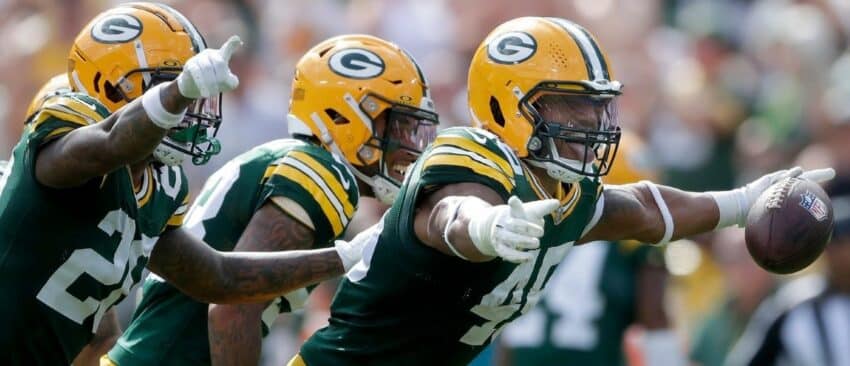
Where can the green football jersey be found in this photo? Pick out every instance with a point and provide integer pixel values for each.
(407, 304)
(68, 255)
(169, 328)
(590, 301)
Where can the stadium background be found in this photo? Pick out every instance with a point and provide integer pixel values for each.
(721, 91)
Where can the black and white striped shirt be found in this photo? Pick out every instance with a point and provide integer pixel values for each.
(803, 324)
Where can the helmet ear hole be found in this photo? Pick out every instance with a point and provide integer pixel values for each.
(112, 93)
(97, 82)
(496, 110)
(337, 118)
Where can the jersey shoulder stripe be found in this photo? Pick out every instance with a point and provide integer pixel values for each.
(309, 181)
(467, 154)
(338, 183)
(479, 142)
(73, 108)
(325, 186)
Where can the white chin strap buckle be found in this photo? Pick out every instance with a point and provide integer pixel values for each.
(385, 191)
(560, 173)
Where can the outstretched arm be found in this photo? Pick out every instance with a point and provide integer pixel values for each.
(238, 277)
(657, 214)
(471, 221)
(440, 208)
(631, 212)
(234, 330)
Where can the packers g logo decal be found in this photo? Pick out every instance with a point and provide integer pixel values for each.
(356, 63)
(511, 47)
(118, 28)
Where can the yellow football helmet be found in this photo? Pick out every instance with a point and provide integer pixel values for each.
(126, 50)
(528, 66)
(56, 85)
(367, 100)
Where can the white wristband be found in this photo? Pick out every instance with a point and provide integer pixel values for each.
(152, 105)
(665, 212)
(453, 211)
(730, 205)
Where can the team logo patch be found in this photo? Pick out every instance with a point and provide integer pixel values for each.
(511, 47)
(117, 28)
(357, 63)
(814, 205)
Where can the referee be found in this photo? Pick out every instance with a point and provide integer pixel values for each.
(808, 322)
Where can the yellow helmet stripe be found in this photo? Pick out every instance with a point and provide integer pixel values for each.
(597, 68)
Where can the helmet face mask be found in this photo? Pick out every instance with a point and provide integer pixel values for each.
(400, 134)
(573, 128)
(195, 136)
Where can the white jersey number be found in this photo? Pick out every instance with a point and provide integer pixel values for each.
(54, 293)
(574, 297)
(211, 198)
(493, 307)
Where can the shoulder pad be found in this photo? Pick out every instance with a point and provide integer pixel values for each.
(74, 108)
(477, 143)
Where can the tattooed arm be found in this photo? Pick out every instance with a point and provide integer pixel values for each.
(234, 330)
(125, 137)
(238, 277)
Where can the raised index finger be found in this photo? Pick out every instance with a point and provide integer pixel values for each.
(230, 46)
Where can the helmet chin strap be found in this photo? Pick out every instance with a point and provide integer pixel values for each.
(385, 190)
(558, 171)
(167, 155)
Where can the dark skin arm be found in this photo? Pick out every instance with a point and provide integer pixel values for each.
(434, 210)
(211, 276)
(125, 137)
(234, 330)
(107, 334)
(630, 212)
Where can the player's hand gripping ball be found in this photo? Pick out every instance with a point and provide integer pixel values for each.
(789, 224)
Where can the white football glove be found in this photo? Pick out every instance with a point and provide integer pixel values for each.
(511, 231)
(734, 205)
(350, 252)
(208, 73)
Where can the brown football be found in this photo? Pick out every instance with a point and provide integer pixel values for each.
(789, 225)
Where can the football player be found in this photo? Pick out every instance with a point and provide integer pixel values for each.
(94, 191)
(360, 113)
(597, 294)
(459, 254)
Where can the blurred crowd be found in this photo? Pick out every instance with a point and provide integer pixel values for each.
(720, 91)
